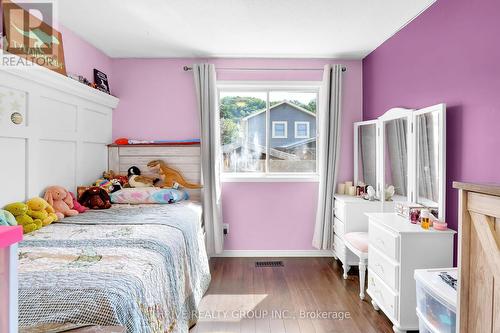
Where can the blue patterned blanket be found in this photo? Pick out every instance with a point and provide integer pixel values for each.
(143, 267)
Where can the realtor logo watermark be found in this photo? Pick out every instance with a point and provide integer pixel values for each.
(271, 314)
(28, 34)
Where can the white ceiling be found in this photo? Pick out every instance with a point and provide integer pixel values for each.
(238, 28)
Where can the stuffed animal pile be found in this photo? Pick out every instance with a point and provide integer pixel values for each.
(32, 215)
(59, 202)
(111, 175)
(112, 182)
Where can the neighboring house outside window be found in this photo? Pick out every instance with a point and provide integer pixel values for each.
(301, 130)
(280, 130)
(281, 115)
(268, 131)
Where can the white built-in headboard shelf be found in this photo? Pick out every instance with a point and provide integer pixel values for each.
(62, 136)
(184, 158)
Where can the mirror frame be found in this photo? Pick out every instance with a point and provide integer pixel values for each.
(357, 125)
(441, 109)
(392, 114)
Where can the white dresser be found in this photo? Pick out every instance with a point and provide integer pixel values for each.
(350, 217)
(396, 248)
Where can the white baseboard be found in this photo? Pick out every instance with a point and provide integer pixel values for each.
(275, 253)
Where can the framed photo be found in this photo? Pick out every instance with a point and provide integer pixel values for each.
(101, 81)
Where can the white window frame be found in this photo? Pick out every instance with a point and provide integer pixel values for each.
(308, 135)
(267, 87)
(285, 136)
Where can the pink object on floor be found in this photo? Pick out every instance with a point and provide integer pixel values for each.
(358, 239)
(10, 235)
(76, 205)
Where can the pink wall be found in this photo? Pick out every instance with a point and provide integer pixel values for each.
(269, 216)
(157, 100)
(448, 54)
(81, 57)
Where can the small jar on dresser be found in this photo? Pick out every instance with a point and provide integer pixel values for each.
(349, 216)
(396, 248)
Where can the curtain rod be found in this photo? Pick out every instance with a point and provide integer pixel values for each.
(187, 68)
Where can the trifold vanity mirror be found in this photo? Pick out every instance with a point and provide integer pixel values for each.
(402, 155)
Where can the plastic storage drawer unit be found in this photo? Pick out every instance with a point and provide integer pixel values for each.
(436, 300)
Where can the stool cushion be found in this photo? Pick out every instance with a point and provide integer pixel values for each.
(358, 239)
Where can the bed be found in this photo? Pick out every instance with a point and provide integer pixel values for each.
(143, 267)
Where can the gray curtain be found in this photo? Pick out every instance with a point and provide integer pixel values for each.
(329, 145)
(206, 93)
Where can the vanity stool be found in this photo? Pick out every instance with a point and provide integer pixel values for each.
(357, 243)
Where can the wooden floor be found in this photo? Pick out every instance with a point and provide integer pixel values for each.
(291, 299)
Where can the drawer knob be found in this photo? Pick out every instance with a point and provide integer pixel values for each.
(381, 268)
(16, 118)
(381, 241)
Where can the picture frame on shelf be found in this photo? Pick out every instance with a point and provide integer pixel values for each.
(101, 81)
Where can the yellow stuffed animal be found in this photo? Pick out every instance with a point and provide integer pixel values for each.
(40, 209)
(20, 210)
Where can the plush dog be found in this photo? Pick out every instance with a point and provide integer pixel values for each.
(40, 209)
(95, 198)
(59, 198)
(20, 212)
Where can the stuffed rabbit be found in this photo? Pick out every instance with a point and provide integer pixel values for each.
(59, 198)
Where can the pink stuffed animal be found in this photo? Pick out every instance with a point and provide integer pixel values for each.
(76, 205)
(59, 198)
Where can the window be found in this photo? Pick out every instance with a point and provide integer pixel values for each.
(255, 138)
(302, 129)
(280, 130)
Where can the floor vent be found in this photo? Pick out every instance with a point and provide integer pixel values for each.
(269, 264)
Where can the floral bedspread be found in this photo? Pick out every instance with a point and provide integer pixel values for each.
(143, 267)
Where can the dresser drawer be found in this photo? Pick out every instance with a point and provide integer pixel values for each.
(339, 209)
(383, 295)
(338, 227)
(385, 268)
(338, 246)
(383, 240)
